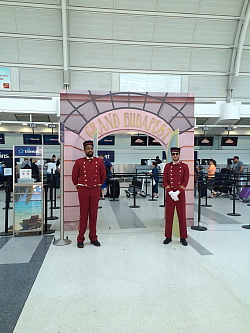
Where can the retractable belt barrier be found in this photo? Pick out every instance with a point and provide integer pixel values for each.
(46, 230)
(6, 231)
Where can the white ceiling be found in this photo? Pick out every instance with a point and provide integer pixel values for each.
(197, 39)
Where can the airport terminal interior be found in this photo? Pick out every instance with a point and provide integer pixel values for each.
(133, 282)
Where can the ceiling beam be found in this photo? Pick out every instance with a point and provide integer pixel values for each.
(238, 48)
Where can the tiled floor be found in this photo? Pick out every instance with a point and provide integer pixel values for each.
(132, 283)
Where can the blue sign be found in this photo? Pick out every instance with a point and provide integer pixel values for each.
(24, 151)
(109, 154)
(108, 140)
(4, 153)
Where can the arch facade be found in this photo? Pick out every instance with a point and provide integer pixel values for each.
(86, 114)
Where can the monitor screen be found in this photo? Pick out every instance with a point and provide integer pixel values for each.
(2, 139)
(153, 141)
(229, 141)
(108, 140)
(32, 139)
(204, 141)
(50, 139)
(138, 141)
(144, 161)
(205, 161)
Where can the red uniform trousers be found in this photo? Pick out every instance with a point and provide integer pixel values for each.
(88, 199)
(181, 212)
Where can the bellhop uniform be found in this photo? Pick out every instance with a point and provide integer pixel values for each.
(175, 177)
(88, 175)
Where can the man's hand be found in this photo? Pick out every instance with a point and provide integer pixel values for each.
(174, 195)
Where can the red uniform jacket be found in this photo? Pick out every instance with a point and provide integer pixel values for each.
(175, 176)
(89, 172)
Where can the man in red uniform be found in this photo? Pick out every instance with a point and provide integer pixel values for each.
(175, 179)
(88, 175)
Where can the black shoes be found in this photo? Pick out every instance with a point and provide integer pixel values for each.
(167, 240)
(96, 243)
(80, 245)
(107, 195)
(183, 241)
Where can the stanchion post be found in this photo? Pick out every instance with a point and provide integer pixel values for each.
(51, 217)
(206, 204)
(61, 241)
(233, 213)
(164, 198)
(6, 231)
(46, 230)
(54, 185)
(147, 184)
(152, 192)
(199, 227)
(134, 194)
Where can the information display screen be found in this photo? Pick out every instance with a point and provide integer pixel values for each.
(50, 139)
(204, 141)
(32, 139)
(153, 142)
(139, 140)
(229, 141)
(107, 141)
(2, 139)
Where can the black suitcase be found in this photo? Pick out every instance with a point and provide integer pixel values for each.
(114, 189)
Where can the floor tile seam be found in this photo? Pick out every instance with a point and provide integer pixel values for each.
(131, 212)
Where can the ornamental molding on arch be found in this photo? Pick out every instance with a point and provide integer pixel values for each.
(155, 114)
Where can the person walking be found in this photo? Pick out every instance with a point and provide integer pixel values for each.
(88, 175)
(175, 180)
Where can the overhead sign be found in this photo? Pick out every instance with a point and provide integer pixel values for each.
(109, 154)
(4, 153)
(51, 125)
(32, 125)
(108, 140)
(24, 151)
(4, 78)
(127, 120)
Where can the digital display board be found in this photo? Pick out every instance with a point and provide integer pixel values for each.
(107, 141)
(139, 140)
(153, 142)
(2, 139)
(50, 139)
(229, 141)
(32, 139)
(204, 141)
